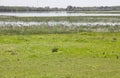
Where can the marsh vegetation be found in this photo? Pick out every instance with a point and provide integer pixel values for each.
(60, 51)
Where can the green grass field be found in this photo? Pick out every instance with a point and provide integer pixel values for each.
(78, 55)
(60, 51)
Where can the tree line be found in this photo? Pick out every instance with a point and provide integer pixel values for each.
(68, 8)
(28, 9)
(102, 8)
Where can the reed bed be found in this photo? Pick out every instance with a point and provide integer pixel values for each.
(45, 29)
(63, 18)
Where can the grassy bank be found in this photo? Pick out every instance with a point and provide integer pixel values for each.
(79, 55)
(101, 12)
(64, 18)
(45, 29)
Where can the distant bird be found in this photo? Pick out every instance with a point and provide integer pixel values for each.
(54, 50)
(117, 57)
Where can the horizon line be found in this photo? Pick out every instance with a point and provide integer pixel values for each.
(59, 7)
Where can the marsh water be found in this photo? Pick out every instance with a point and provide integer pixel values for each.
(56, 23)
(52, 14)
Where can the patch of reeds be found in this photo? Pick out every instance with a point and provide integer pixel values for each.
(63, 18)
(45, 29)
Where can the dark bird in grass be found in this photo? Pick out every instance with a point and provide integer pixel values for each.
(117, 57)
(54, 50)
(114, 39)
(103, 53)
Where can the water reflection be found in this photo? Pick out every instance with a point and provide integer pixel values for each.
(53, 14)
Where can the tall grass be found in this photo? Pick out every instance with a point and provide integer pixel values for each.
(45, 29)
(64, 18)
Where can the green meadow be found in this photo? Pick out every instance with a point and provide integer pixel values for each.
(59, 51)
(81, 55)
